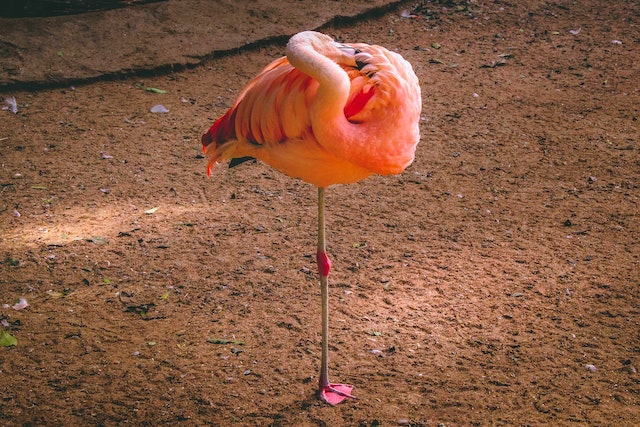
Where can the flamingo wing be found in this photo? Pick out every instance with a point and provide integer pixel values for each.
(269, 110)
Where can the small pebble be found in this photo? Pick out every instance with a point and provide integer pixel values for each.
(21, 304)
(11, 105)
(159, 109)
(590, 368)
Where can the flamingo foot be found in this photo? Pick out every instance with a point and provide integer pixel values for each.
(336, 393)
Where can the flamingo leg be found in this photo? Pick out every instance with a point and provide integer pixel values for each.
(330, 393)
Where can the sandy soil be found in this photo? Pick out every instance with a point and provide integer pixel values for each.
(495, 282)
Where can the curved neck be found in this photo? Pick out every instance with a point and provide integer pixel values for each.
(315, 55)
(385, 142)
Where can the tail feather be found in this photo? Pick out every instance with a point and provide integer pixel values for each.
(219, 139)
(222, 130)
(220, 153)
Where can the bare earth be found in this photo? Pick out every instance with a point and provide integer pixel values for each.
(495, 282)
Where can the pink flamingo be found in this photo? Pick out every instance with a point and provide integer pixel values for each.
(327, 113)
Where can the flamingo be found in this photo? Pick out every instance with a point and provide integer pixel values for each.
(326, 113)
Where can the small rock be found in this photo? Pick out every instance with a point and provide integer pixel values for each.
(590, 368)
(159, 109)
(11, 105)
(21, 304)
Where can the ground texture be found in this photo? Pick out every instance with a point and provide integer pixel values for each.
(495, 282)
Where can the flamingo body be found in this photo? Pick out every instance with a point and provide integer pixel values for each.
(327, 113)
(276, 117)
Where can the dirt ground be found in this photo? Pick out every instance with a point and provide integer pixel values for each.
(153, 38)
(495, 282)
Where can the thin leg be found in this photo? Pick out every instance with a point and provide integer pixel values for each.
(330, 393)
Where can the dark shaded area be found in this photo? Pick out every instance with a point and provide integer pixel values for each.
(42, 8)
(155, 38)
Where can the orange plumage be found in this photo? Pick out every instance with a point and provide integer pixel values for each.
(273, 119)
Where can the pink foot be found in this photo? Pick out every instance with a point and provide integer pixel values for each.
(336, 393)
